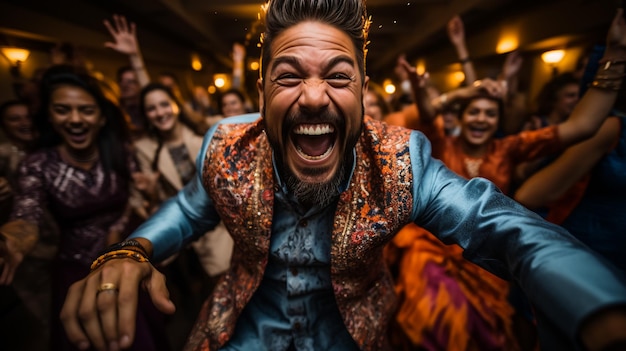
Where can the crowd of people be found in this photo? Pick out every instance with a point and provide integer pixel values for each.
(333, 218)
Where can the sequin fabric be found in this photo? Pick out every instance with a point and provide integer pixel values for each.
(86, 204)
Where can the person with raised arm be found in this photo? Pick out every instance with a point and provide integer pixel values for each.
(311, 190)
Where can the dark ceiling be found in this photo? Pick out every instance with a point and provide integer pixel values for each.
(414, 27)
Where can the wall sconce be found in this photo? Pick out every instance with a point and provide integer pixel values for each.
(221, 80)
(552, 58)
(420, 67)
(254, 65)
(16, 57)
(389, 87)
(196, 63)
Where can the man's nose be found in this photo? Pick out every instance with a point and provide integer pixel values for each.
(314, 94)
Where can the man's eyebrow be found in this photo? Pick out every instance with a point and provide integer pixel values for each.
(340, 59)
(289, 60)
(295, 62)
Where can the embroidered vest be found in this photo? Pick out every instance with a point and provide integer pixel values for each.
(238, 176)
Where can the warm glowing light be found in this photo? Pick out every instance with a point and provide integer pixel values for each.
(420, 67)
(254, 65)
(221, 80)
(553, 56)
(508, 41)
(458, 76)
(196, 64)
(15, 55)
(98, 75)
(212, 89)
(506, 45)
(389, 87)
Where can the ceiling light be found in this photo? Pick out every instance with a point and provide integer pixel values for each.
(15, 55)
(553, 57)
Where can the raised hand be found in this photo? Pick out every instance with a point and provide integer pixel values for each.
(616, 37)
(456, 31)
(417, 81)
(494, 88)
(512, 65)
(124, 36)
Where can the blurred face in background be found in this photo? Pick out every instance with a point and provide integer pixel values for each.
(161, 110)
(76, 117)
(232, 105)
(129, 86)
(17, 124)
(479, 122)
(168, 82)
(566, 99)
(372, 106)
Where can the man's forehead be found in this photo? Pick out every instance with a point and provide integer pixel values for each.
(300, 49)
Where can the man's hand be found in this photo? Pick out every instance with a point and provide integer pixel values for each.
(605, 330)
(100, 310)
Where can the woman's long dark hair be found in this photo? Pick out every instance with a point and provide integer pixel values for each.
(152, 131)
(113, 137)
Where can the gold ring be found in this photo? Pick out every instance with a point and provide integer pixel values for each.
(107, 286)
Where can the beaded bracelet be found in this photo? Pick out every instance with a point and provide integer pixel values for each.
(130, 244)
(608, 63)
(606, 84)
(132, 254)
(607, 77)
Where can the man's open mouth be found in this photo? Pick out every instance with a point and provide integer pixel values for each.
(314, 141)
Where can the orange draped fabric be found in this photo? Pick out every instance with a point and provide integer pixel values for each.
(430, 313)
(470, 311)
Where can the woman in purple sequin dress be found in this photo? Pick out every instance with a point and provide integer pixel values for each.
(81, 173)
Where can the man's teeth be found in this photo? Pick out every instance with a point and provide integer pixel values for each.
(314, 129)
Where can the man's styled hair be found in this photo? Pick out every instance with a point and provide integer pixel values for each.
(349, 16)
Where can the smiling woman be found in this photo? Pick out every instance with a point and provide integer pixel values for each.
(80, 172)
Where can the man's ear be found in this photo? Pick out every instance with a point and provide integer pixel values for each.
(366, 84)
(259, 86)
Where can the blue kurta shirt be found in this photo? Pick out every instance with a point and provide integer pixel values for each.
(295, 308)
(294, 305)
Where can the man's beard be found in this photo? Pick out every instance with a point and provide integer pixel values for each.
(320, 194)
(315, 194)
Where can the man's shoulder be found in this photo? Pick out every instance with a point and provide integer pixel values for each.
(388, 134)
(238, 120)
(234, 126)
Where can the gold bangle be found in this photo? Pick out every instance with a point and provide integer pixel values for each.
(132, 254)
(606, 84)
(610, 77)
(608, 63)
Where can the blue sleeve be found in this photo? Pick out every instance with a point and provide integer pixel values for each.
(190, 213)
(564, 279)
(183, 217)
